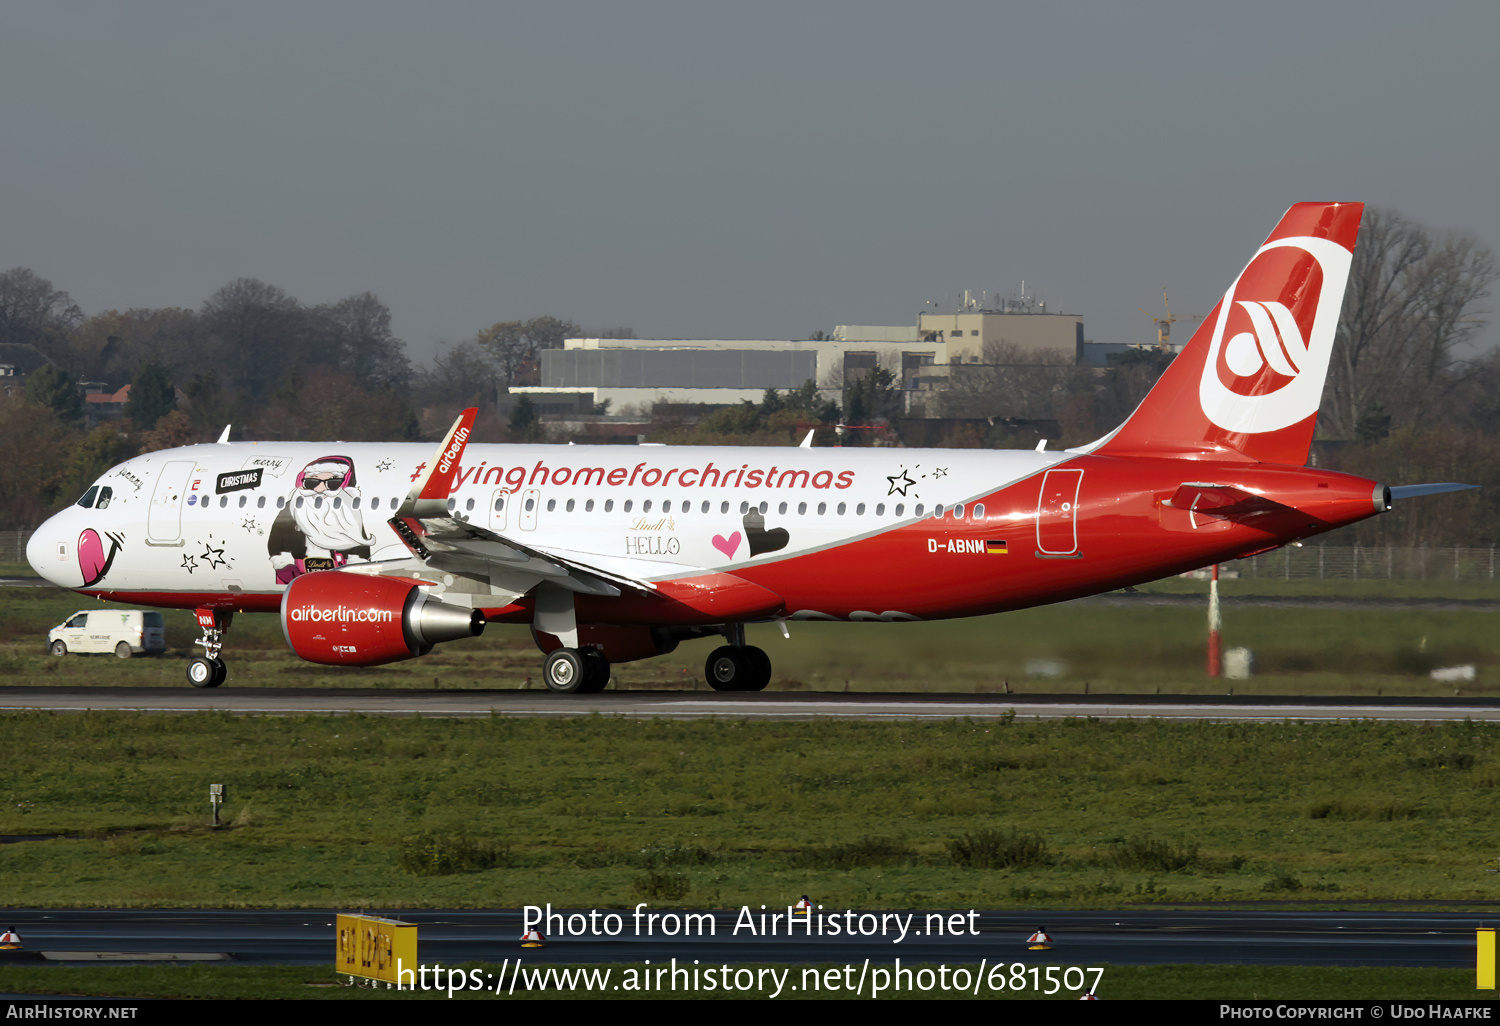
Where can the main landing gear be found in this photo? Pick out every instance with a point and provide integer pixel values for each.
(208, 670)
(574, 671)
(737, 666)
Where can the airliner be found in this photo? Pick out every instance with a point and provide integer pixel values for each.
(373, 553)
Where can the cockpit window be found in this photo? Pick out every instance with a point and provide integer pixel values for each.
(105, 494)
(87, 502)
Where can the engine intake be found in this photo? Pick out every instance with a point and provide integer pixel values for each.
(344, 619)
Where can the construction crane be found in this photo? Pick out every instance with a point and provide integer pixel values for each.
(1164, 324)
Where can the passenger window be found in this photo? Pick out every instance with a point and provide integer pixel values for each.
(822, 508)
(609, 505)
(802, 509)
(244, 499)
(260, 503)
(646, 506)
(937, 511)
(918, 511)
(355, 503)
(900, 508)
(841, 509)
(705, 505)
(569, 507)
(781, 509)
(469, 506)
(958, 512)
(744, 508)
(551, 505)
(859, 510)
(880, 509)
(530, 504)
(588, 507)
(723, 507)
(978, 511)
(628, 504)
(224, 501)
(666, 507)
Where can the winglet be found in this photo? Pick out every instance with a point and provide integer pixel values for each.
(807, 442)
(429, 495)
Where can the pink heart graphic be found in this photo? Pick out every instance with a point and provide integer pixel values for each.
(729, 545)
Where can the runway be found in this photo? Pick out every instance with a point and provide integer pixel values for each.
(679, 705)
(1134, 937)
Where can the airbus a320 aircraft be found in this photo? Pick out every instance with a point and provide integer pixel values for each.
(374, 553)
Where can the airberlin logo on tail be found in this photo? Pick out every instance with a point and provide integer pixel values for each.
(1270, 348)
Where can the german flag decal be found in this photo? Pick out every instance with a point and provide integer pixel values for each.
(994, 548)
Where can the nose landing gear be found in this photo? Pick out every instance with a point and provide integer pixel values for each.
(208, 670)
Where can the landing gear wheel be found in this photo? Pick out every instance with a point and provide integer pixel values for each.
(58, 649)
(727, 669)
(595, 672)
(122, 650)
(565, 672)
(206, 673)
(760, 669)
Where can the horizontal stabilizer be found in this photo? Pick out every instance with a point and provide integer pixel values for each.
(1412, 491)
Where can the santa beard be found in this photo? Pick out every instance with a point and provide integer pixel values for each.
(333, 525)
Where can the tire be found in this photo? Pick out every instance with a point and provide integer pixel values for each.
(565, 672)
(760, 669)
(122, 650)
(57, 648)
(596, 671)
(221, 673)
(205, 673)
(726, 669)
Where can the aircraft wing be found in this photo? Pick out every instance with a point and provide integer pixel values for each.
(491, 564)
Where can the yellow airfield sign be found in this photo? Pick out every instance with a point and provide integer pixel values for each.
(375, 948)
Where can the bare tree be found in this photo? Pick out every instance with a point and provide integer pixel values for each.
(35, 313)
(1412, 298)
(513, 345)
(1014, 382)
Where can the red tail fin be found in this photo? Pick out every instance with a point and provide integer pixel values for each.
(1248, 384)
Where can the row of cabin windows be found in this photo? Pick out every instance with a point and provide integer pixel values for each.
(683, 507)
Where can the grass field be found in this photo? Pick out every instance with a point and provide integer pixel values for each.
(1182, 983)
(596, 812)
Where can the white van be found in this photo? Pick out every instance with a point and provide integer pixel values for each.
(125, 632)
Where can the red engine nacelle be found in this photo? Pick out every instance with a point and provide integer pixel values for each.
(345, 619)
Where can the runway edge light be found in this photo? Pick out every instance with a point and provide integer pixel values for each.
(1484, 963)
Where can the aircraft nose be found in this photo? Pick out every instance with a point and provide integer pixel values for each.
(47, 552)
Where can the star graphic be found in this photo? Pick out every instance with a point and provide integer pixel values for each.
(385, 464)
(214, 558)
(900, 483)
(248, 523)
(188, 563)
(940, 472)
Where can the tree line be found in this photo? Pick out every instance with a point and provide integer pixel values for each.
(1405, 401)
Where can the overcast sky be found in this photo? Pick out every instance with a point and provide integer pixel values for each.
(700, 169)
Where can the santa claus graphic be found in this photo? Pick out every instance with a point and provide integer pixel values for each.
(322, 525)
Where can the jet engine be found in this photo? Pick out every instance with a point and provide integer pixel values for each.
(345, 619)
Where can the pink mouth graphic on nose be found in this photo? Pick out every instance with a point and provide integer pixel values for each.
(729, 545)
(90, 556)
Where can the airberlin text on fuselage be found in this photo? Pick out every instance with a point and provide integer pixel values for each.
(707, 476)
(340, 614)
